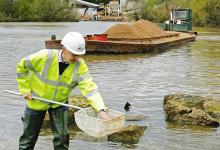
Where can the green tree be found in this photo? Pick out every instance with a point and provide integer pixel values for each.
(213, 13)
(26, 10)
(56, 10)
(152, 10)
(51, 10)
(206, 12)
(6, 7)
(44, 10)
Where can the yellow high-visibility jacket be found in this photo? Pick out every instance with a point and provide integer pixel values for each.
(39, 74)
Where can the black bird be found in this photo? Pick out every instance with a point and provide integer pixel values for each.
(127, 107)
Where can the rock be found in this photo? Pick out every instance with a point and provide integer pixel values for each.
(46, 122)
(130, 134)
(78, 101)
(134, 116)
(192, 110)
(213, 108)
(85, 137)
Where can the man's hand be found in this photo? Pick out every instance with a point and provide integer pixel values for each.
(27, 96)
(104, 115)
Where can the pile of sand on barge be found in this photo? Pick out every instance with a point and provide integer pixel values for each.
(139, 30)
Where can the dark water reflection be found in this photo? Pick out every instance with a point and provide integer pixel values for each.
(141, 79)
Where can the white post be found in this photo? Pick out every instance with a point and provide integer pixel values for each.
(118, 9)
(109, 10)
(105, 11)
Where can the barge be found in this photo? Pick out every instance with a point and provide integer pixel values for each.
(140, 36)
(129, 46)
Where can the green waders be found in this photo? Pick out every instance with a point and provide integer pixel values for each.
(32, 122)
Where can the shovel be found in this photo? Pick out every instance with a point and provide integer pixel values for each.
(87, 119)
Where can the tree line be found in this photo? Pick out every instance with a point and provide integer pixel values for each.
(204, 12)
(37, 10)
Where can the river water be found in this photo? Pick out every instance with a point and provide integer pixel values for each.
(140, 79)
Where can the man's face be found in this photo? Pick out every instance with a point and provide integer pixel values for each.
(69, 57)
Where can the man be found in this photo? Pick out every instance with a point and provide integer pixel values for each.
(53, 76)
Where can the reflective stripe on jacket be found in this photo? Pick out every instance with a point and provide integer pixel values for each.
(39, 74)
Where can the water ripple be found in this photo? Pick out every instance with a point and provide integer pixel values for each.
(141, 79)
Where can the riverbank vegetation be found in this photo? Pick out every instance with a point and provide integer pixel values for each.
(205, 12)
(37, 10)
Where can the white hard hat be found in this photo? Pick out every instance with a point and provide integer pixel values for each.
(74, 42)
